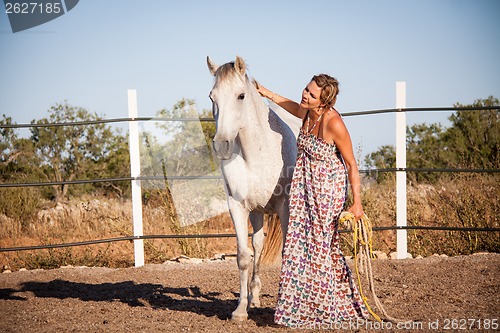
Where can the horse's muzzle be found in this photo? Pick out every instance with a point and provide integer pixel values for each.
(223, 149)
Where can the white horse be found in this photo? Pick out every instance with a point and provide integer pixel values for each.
(257, 150)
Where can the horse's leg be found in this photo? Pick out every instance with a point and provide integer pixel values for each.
(257, 220)
(239, 216)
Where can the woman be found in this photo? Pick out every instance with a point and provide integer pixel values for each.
(316, 285)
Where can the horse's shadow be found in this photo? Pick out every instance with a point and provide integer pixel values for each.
(190, 299)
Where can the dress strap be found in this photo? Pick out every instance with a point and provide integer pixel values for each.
(304, 119)
(320, 121)
(315, 123)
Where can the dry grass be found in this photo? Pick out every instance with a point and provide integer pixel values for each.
(461, 200)
(99, 218)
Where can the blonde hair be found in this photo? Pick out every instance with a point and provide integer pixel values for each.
(329, 88)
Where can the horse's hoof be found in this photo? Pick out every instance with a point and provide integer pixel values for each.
(239, 316)
(254, 304)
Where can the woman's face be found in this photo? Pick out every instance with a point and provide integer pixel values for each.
(311, 96)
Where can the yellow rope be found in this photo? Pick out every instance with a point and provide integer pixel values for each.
(358, 238)
(362, 235)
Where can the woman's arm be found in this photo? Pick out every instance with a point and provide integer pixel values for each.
(343, 142)
(287, 104)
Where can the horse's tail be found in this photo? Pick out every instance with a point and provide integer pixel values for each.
(273, 243)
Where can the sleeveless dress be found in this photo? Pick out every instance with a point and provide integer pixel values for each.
(316, 285)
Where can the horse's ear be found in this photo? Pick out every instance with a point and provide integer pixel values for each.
(240, 65)
(212, 67)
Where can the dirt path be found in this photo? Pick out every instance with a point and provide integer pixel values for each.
(437, 292)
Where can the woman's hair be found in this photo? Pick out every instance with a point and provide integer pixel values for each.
(329, 88)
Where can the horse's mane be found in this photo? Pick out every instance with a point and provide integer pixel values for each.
(227, 71)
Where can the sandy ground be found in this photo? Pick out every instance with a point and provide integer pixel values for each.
(458, 294)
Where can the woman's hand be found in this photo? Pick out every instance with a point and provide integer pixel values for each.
(357, 210)
(263, 91)
(289, 105)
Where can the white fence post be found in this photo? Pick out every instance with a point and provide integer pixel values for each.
(135, 171)
(401, 235)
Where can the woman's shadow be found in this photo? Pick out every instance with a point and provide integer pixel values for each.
(190, 299)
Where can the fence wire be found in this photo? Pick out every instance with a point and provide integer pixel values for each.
(344, 114)
(119, 179)
(191, 236)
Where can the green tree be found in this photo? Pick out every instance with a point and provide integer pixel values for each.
(18, 164)
(69, 152)
(18, 159)
(7, 137)
(7, 152)
(383, 158)
(425, 148)
(115, 164)
(472, 141)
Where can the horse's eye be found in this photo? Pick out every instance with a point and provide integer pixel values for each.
(241, 96)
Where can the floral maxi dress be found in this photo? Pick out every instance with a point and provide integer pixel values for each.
(316, 285)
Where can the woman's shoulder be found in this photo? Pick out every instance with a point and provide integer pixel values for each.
(334, 120)
(335, 127)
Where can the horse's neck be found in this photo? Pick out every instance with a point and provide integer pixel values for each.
(258, 141)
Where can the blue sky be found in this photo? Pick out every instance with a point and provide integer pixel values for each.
(447, 51)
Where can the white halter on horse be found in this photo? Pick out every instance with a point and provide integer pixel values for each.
(257, 150)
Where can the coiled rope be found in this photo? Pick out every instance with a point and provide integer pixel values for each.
(363, 254)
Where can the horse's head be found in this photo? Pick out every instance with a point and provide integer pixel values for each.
(231, 95)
